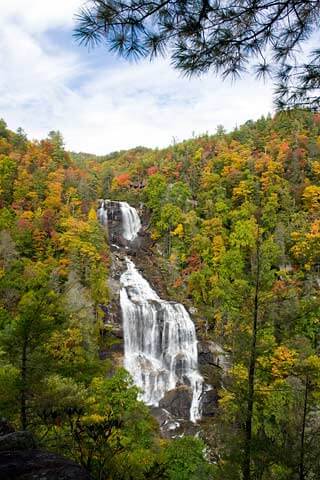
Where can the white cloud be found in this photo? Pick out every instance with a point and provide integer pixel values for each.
(37, 16)
(117, 105)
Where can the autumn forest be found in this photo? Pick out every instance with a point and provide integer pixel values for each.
(231, 222)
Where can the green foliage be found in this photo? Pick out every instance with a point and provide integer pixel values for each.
(184, 459)
(154, 192)
(8, 169)
(236, 217)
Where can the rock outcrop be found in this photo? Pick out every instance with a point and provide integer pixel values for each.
(20, 459)
(17, 441)
(210, 353)
(178, 401)
(210, 402)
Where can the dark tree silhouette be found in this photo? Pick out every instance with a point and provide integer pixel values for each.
(227, 36)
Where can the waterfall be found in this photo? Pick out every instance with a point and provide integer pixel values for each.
(102, 212)
(160, 344)
(129, 217)
(130, 221)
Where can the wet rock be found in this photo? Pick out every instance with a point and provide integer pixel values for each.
(167, 423)
(113, 218)
(117, 332)
(193, 310)
(37, 464)
(209, 403)
(178, 401)
(171, 427)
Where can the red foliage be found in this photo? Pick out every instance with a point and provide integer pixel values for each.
(152, 170)
(178, 283)
(194, 264)
(24, 224)
(73, 174)
(105, 259)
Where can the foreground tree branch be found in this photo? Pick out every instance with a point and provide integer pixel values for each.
(228, 37)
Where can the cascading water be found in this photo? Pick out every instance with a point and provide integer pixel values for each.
(130, 221)
(102, 212)
(160, 342)
(129, 217)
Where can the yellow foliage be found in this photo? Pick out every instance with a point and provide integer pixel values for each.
(93, 418)
(212, 227)
(218, 247)
(225, 397)
(239, 372)
(282, 361)
(67, 346)
(311, 197)
(27, 215)
(307, 245)
(178, 231)
(242, 191)
(92, 215)
(316, 168)
(155, 235)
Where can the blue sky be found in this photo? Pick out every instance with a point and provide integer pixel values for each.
(99, 102)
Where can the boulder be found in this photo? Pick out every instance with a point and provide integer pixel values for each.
(178, 401)
(21, 460)
(167, 423)
(16, 441)
(39, 465)
(209, 403)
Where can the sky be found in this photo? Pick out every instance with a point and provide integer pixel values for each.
(99, 102)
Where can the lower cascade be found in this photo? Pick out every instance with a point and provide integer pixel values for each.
(160, 344)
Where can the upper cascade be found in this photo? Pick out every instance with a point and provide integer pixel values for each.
(130, 219)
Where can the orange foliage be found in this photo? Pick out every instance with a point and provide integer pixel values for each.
(123, 180)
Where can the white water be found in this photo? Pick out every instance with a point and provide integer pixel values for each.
(130, 221)
(102, 213)
(160, 342)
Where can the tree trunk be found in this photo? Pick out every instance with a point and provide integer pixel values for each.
(246, 466)
(302, 437)
(168, 243)
(23, 392)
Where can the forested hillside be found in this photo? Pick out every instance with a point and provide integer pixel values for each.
(236, 217)
(53, 279)
(234, 221)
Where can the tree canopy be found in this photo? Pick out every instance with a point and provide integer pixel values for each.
(228, 37)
